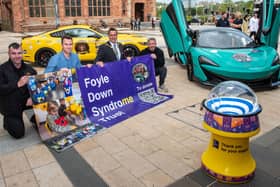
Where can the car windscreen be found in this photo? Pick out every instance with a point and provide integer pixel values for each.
(224, 39)
(76, 33)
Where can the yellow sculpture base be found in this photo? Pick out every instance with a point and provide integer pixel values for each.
(228, 158)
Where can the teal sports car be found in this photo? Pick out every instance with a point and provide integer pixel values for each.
(217, 54)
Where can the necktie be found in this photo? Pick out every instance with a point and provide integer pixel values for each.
(115, 49)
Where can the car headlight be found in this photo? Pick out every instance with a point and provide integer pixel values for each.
(276, 61)
(204, 60)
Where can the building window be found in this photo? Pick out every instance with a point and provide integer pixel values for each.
(72, 8)
(41, 8)
(99, 7)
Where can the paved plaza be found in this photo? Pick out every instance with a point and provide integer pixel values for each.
(159, 147)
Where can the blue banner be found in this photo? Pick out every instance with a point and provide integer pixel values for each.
(119, 90)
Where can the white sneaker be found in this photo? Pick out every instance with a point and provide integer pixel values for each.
(163, 88)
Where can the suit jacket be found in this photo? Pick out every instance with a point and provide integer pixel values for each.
(106, 53)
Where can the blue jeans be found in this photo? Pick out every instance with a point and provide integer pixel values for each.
(162, 72)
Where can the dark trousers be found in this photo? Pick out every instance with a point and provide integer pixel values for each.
(253, 33)
(13, 122)
(162, 72)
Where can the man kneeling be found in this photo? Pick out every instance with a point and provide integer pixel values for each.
(14, 94)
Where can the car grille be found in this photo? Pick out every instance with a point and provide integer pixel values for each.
(214, 79)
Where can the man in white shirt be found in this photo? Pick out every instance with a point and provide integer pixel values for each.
(254, 25)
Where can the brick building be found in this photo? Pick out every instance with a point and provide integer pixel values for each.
(32, 15)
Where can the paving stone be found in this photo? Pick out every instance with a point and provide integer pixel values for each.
(86, 145)
(167, 120)
(100, 161)
(197, 132)
(275, 147)
(173, 167)
(269, 138)
(121, 131)
(133, 162)
(14, 163)
(2, 131)
(1, 174)
(51, 175)
(156, 179)
(110, 143)
(139, 145)
(266, 159)
(195, 144)
(190, 115)
(268, 122)
(120, 177)
(25, 179)
(147, 132)
(76, 168)
(2, 184)
(193, 159)
(8, 143)
(147, 120)
(198, 178)
(38, 155)
(173, 131)
(171, 147)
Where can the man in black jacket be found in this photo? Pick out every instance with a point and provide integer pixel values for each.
(111, 51)
(14, 94)
(158, 56)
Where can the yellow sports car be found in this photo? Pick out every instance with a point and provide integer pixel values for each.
(39, 48)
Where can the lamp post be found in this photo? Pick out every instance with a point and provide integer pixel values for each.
(56, 14)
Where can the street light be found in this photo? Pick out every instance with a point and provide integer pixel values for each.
(56, 14)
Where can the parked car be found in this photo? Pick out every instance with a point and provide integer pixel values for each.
(216, 54)
(39, 48)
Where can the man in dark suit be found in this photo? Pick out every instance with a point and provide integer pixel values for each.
(111, 51)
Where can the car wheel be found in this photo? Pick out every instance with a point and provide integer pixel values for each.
(130, 50)
(43, 56)
(190, 69)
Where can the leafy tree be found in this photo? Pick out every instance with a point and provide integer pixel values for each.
(226, 5)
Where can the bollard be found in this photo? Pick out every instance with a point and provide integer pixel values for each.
(232, 118)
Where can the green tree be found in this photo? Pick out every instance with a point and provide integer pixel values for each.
(160, 8)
